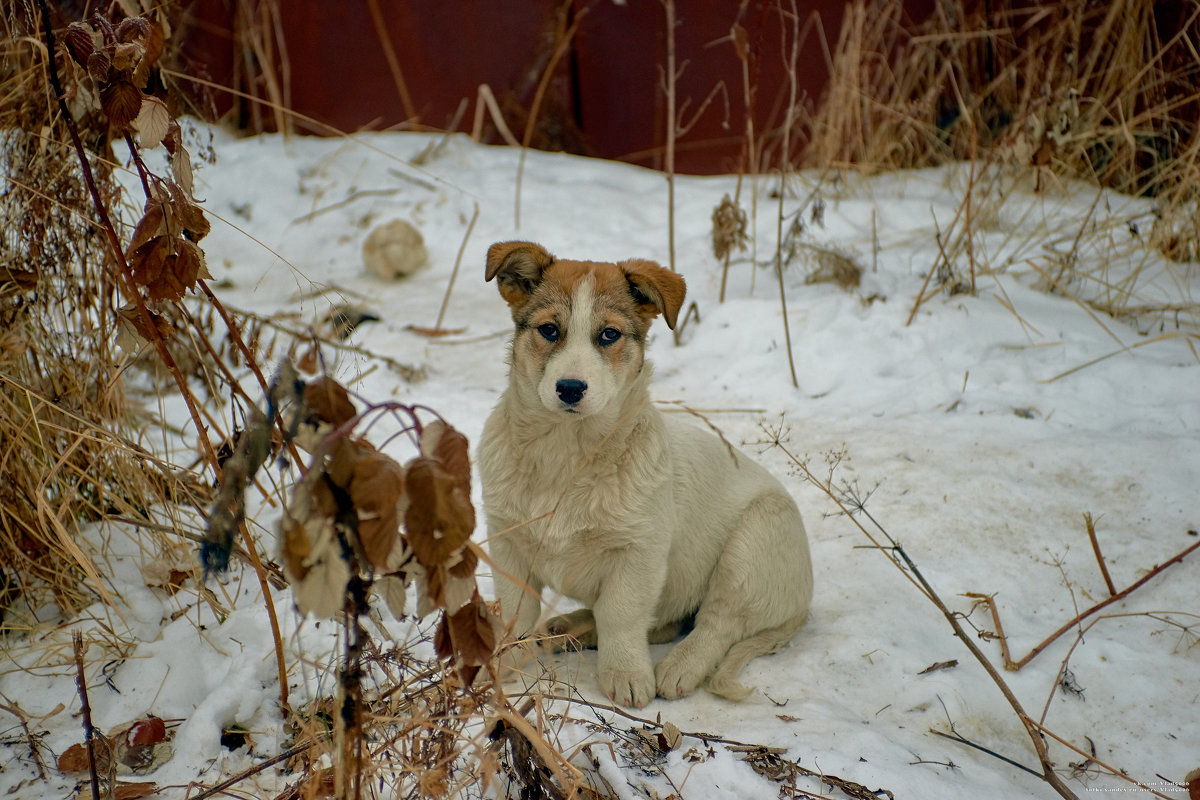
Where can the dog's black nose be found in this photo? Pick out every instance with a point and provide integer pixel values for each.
(570, 390)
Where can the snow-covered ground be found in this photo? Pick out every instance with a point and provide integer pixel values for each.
(980, 434)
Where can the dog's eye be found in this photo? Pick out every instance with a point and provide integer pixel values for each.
(609, 335)
(549, 331)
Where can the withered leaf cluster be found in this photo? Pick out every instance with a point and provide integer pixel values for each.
(728, 228)
(117, 62)
(163, 254)
(359, 511)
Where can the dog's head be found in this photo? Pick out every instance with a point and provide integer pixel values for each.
(580, 325)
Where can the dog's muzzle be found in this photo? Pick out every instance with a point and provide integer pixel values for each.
(570, 390)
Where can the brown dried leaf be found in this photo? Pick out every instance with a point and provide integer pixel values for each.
(142, 745)
(312, 560)
(344, 456)
(74, 759)
(394, 591)
(134, 791)
(440, 517)
(190, 265)
(132, 28)
(309, 360)
(126, 55)
(296, 549)
(669, 737)
(181, 168)
(330, 401)
(161, 329)
(189, 216)
(452, 587)
(151, 122)
(172, 280)
(155, 42)
(148, 731)
(440, 440)
(78, 41)
(121, 102)
(468, 634)
(99, 65)
(148, 260)
(376, 489)
(152, 223)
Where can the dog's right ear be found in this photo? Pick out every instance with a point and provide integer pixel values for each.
(518, 268)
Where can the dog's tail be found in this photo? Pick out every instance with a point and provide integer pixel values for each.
(724, 680)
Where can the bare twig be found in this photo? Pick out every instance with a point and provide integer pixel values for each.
(89, 731)
(437, 326)
(385, 42)
(1091, 531)
(784, 165)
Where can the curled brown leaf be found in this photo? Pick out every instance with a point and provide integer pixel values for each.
(330, 401)
(376, 489)
(121, 102)
(440, 517)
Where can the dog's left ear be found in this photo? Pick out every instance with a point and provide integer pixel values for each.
(518, 268)
(656, 289)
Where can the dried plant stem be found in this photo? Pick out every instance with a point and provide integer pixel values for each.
(437, 326)
(1091, 531)
(486, 100)
(670, 79)
(790, 66)
(563, 40)
(262, 766)
(389, 52)
(1013, 666)
(89, 731)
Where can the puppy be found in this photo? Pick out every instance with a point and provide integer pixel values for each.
(651, 522)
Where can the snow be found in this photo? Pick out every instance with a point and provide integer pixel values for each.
(979, 434)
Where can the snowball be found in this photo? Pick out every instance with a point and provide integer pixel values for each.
(394, 250)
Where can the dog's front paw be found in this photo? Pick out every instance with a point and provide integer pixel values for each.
(573, 631)
(677, 676)
(627, 687)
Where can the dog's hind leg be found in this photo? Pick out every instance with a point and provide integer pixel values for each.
(724, 683)
(757, 599)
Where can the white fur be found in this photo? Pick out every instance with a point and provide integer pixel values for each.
(643, 518)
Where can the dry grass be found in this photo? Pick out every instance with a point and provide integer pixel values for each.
(70, 451)
(1045, 94)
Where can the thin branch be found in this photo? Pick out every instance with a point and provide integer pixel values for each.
(437, 326)
(89, 731)
(1091, 531)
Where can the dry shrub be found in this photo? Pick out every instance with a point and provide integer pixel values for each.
(69, 441)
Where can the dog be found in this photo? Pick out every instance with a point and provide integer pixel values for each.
(652, 523)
